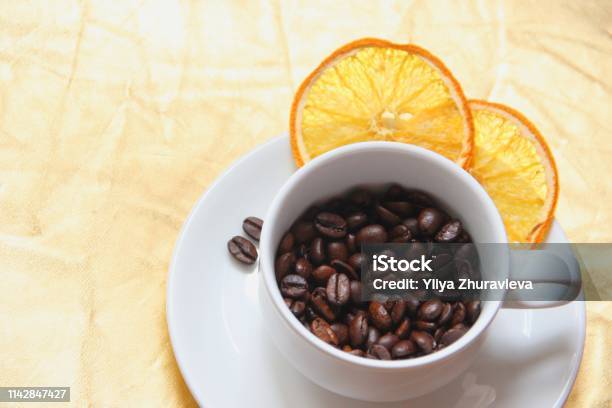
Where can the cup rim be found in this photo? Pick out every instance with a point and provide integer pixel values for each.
(267, 252)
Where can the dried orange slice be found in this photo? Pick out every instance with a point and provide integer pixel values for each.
(372, 89)
(514, 164)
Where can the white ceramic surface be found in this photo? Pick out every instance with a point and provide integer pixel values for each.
(530, 358)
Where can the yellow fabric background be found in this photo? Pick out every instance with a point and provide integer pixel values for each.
(116, 116)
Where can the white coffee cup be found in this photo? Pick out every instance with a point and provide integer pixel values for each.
(334, 173)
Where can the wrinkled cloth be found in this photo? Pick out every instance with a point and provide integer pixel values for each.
(116, 116)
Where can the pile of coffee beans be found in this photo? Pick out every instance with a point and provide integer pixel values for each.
(318, 265)
(241, 248)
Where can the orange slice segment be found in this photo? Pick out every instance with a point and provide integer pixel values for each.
(514, 164)
(375, 90)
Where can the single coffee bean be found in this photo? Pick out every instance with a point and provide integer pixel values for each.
(395, 192)
(413, 226)
(338, 289)
(419, 198)
(380, 352)
(303, 268)
(285, 264)
(303, 231)
(373, 336)
(358, 330)
(331, 225)
(252, 226)
(361, 198)
(430, 310)
(449, 232)
(356, 292)
(379, 316)
(337, 250)
(412, 304)
(388, 340)
(371, 234)
(345, 268)
(400, 234)
(355, 261)
(286, 244)
(472, 310)
(317, 251)
(351, 243)
(451, 336)
(319, 302)
(403, 329)
(322, 273)
(323, 331)
(356, 220)
(446, 314)
(294, 286)
(398, 311)
(425, 326)
(423, 340)
(401, 208)
(430, 221)
(298, 307)
(341, 331)
(242, 250)
(403, 348)
(387, 217)
(357, 352)
(459, 314)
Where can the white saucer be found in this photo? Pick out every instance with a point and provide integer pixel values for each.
(530, 358)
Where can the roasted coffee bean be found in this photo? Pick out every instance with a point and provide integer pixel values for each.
(343, 267)
(401, 208)
(449, 232)
(388, 340)
(252, 226)
(373, 336)
(398, 311)
(338, 289)
(412, 304)
(242, 250)
(323, 331)
(403, 348)
(356, 220)
(303, 231)
(317, 251)
(361, 198)
(424, 325)
(286, 244)
(419, 198)
(423, 340)
(322, 273)
(430, 310)
(387, 217)
(331, 225)
(446, 314)
(451, 336)
(357, 352)
(320, 304)
(413, 226)
(293, 286)
(285, 264)
(400, 234)
(458, 314)
(358, 330)
(337, 250)
(430, 220)
(379, 316)
(380, 352)
(472, 310)
(341, 331)
(395, 192)
(297, 307)
(351, 243)
(371, 234)
(355, 261)
(356, 292)
(303, 268)
(403, 329)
